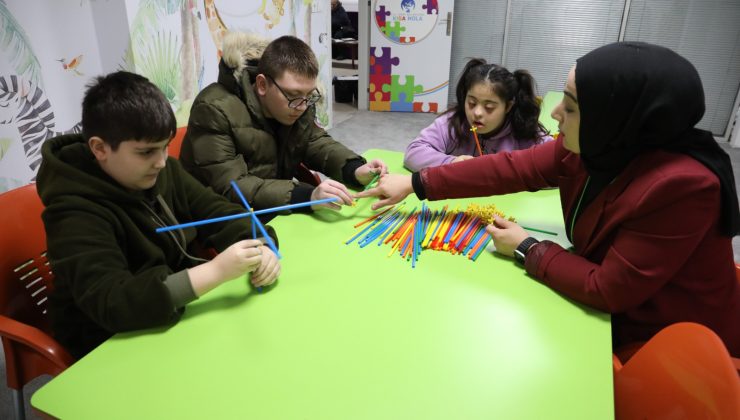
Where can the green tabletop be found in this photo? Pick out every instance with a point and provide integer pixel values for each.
(349, 333)
(549, 102)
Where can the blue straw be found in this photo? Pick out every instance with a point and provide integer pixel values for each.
(399, 220)
(246, 206)
(385, 224)
(452, 228)
(243, 215)
(382, 227)
(367, 228)
(467, 230)
(475, 239)
(475, 257)
(255, 221)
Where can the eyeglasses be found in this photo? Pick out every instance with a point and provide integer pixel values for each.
(294, 103)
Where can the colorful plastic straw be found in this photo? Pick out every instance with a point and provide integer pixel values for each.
(474, 129)
(539, 230)
(243, 215)
(255, 221)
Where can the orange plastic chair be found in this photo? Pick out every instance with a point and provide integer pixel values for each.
(683, 372)
(25, 280)
(173, 149)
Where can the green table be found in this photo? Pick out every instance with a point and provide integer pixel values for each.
(549, 102)
(349, 333)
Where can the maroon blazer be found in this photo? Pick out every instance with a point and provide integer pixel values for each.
(647, 249)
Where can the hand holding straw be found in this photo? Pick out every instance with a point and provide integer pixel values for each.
(369, 184)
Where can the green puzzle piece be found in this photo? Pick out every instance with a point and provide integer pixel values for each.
(408, 88)
(393, 31)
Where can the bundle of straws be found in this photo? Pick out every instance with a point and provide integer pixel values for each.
(456, 232)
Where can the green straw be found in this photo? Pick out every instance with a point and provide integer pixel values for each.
(540, 230)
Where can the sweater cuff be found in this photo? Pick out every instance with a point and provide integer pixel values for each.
(300, 194)
(348, 172)
(180, 288)
(534, 257)
(418, 186)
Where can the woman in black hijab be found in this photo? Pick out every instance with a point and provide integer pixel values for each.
(649, 200)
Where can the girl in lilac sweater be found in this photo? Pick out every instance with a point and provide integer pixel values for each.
(500, 104)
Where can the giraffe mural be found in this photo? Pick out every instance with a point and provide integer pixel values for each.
(215, 25)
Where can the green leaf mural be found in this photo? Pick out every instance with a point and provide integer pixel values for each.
(4, 146)
(15, 43)
(156, 54)
(159, 62)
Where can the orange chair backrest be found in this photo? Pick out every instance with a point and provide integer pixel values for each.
(25, 281)
(683, 372)
(174, 147)
(25, 275)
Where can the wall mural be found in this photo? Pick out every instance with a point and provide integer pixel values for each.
(44, 67)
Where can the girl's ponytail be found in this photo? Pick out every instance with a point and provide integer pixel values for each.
(526, 110)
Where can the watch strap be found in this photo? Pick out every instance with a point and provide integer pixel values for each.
(520, 253)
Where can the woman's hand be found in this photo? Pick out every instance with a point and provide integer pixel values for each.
(506, 235)
(391, 189)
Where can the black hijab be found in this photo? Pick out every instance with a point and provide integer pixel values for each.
(634, 97)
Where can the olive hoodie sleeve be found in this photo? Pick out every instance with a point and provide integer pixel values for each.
(89, 254)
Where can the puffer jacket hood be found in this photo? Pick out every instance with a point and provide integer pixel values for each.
(241, 50)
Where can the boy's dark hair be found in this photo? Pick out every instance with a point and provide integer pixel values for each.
(126, 106)
(288, 53)
(518, 87)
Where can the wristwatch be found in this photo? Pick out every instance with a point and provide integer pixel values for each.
(521, 251)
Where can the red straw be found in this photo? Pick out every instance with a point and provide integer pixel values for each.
(474, 129)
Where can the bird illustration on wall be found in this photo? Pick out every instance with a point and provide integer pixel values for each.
(72, 64)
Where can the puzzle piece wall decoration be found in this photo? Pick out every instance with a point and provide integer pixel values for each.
(384, 63)
(380, 16)
(432, 7)
(395, 88)
(430, 107)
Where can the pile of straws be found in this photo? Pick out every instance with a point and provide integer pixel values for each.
(456, 232)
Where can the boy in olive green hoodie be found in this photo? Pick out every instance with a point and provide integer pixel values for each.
(106, 191)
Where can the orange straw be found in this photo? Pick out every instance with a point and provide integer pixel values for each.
(372, 217)
(474, 129)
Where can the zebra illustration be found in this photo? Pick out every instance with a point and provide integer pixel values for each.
(25, 105)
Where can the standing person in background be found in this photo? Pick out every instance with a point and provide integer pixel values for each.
(503, 108)
(649, 200)
(256, 125)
